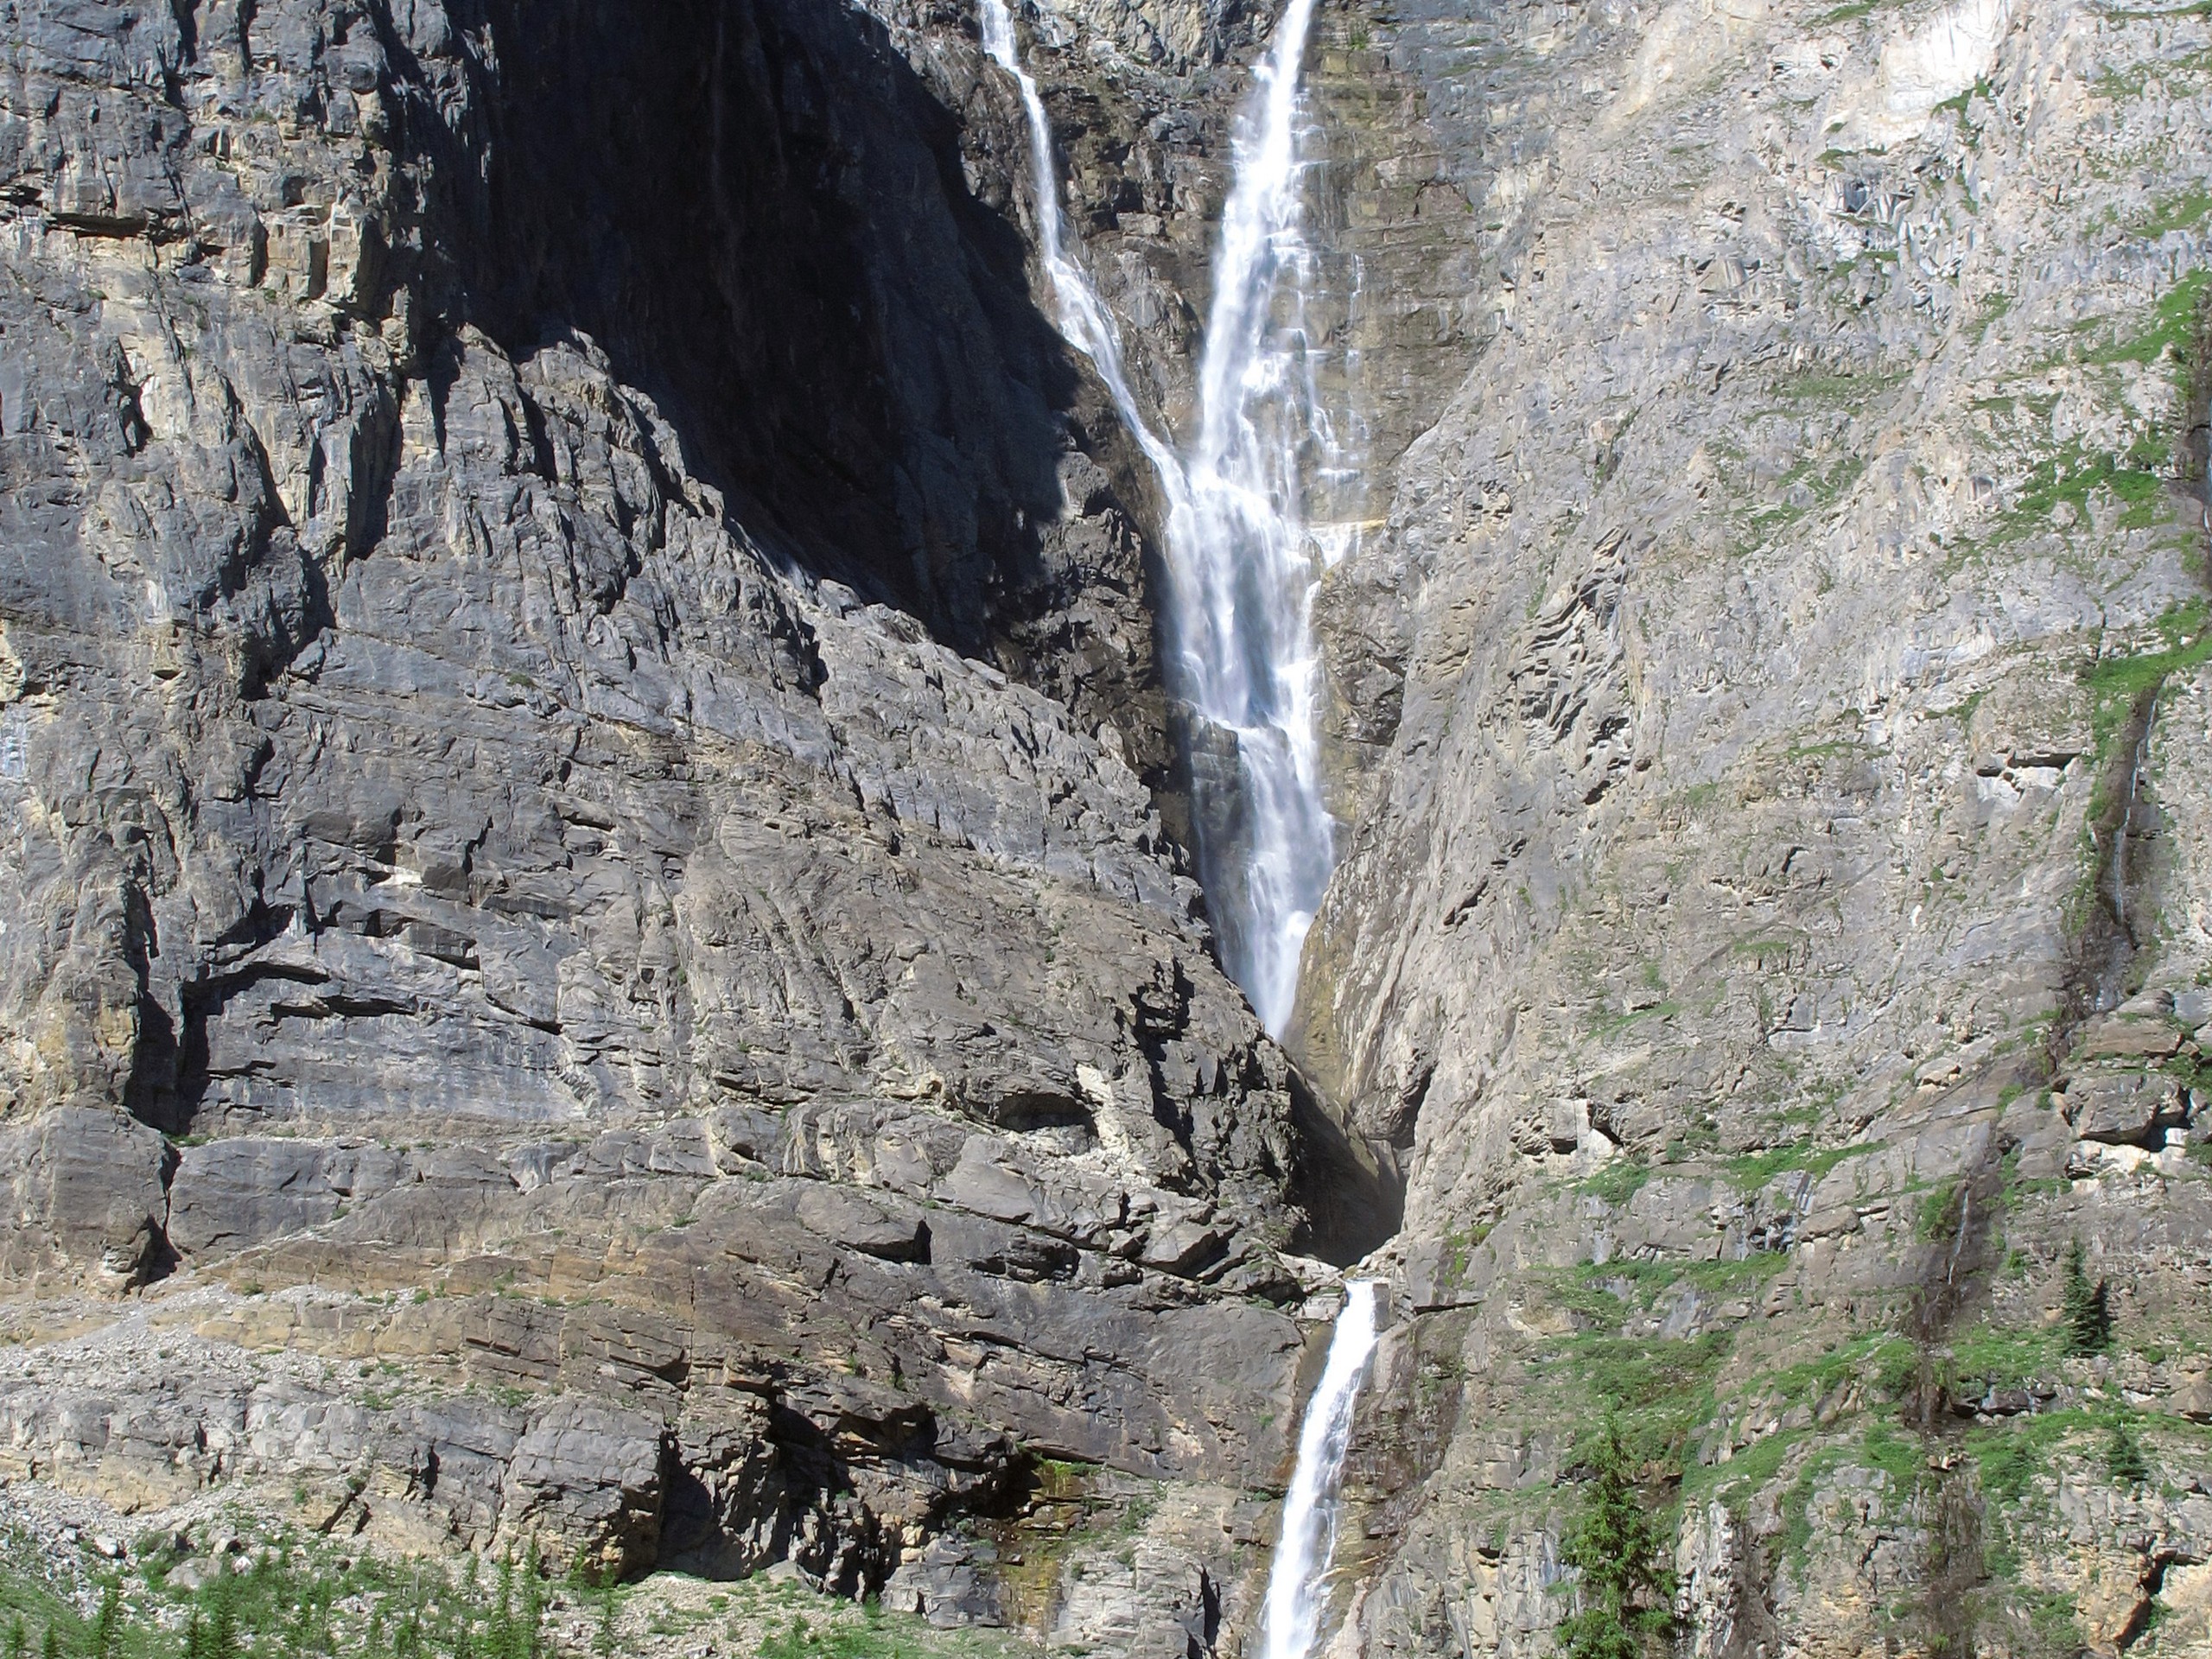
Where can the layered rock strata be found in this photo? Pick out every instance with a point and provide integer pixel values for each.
(595, 932)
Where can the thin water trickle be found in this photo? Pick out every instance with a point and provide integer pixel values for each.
(1080, 315)
(1298, 1577)
(1242, 563)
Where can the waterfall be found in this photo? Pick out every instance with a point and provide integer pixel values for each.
(1241, 566)
(1297, 1577)
(1242, 573)
(1083, 319)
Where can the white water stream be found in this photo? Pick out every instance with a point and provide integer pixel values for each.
(1241, 564)
(1298, 1577)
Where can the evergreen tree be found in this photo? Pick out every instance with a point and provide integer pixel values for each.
(1628, 1596)
(50, 1646)
(19, 1639)
(533, 1604)
(2124, 1458)
(504, 1643)
(222, 1639)
(107, 1625)
(2088, 1306)
(603, 1638)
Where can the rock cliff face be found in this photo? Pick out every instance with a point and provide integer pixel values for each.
(585, 928)
(1768, 702)
(1772, 925)
(596, 947)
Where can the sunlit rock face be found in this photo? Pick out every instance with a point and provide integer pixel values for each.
(1771, 927)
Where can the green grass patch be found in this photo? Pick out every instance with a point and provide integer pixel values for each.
(1615, 1024)
(2005, 1356)
(1754, 1170)
(1882, 1448)
(1851, 12)
(1895, 1456)
(2010, 1454)
(1797, 1503)
(1939, 1213)
(2176, 321)
(2115, 683)
(1652, 1278)
(1810, 1380)
(1751, 1471)
(1658, 1390)
(1621, 1180)
(2072, 476)
(1850, 390)
(2183, 212)
(1460, 1247)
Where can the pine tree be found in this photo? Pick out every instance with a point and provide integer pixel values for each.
(2088, 1306)
(503, 1644)
(19, 1639)
(50, 1646)
(603, 1638)
(107, 1624)
(221, 1641)
(2124, 1457)
(1628, 1597)
(533, 1604)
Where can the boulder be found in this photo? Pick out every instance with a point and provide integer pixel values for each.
(860, 1221)
(82, 1190)
(2124, 1107)
(2128, 1039)
(586, 1483)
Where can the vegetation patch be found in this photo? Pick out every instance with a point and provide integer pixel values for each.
(2116, 682)
(1651, 1279)
(2183, 212)
(1992, 1357)
(1618, 1181)
(1850, 390)
(1625, 1592)
(2170, 335)
(2075, 474)
(1658, 1390)
(1880, 1448)
(292, 1599)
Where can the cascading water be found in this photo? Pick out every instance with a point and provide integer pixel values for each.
(1242, 572)
(1297, 1580)
(1241, 566)
(1082, 316)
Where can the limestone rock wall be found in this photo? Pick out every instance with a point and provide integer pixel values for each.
(594, 942)
(584, 925)
(1769, 930)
